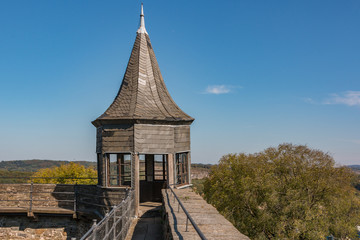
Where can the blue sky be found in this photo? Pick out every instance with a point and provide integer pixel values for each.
(253, 74)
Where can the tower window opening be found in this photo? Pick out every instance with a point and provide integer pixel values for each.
(160, 168)
(119, 166)
(182, 172)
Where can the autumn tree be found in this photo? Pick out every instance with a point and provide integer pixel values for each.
(71, 173)
(288, 192)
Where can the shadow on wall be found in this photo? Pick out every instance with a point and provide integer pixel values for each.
(63, 196)
(88, 200)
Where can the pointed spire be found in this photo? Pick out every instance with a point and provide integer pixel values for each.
(143, 96)
(142, 21)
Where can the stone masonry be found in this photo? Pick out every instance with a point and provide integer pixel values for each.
(42, 228)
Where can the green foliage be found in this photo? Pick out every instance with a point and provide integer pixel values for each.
(14, 176)
(198, 185)
(288, 192)
(35, 164)
(66, 174)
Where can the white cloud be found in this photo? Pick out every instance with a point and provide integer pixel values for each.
(309, 100)
(349, 98)
(218, 89)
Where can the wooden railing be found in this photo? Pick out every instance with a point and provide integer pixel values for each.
(116, 223)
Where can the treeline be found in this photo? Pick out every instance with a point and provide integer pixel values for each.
(201, 165)
(19, 171)
(14, 176)
(36, 164)
(287, 192)
(71, 173)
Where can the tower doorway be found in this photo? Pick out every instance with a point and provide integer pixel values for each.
(153, 176)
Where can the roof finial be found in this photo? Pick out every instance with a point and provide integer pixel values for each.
(142, 21)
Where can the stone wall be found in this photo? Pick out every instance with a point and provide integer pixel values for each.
(43, 195)
(54, 228)
(60, 196)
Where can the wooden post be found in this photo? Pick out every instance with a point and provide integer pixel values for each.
(75, 201)
(30, 212)
(170, 169)
(137, 183)
(189, 167)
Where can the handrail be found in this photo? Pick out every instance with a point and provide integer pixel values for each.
(197, 229)
(110, 231)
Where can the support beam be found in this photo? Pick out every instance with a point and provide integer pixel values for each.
(102, 170)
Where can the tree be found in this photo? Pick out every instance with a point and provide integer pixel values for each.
(71, 173)
(288, 192)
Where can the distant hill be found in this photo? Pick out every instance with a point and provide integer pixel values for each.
(36, 164)
(200, 171)
(355, 168)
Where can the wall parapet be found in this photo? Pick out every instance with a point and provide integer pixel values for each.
(211, 223)
(32, 198)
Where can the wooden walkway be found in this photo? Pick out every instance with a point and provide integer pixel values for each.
(209, 220)
(149, 225)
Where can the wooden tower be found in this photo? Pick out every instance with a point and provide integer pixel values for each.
(143, 138)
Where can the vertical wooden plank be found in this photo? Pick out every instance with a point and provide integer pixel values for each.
(137, 183)
(170, 169)
(163, 166)
(149, 158)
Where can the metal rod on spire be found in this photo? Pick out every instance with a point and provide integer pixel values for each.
(142, 21)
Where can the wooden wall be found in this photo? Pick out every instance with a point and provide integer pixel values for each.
(161, 138)
(117, 138)
(154, 138)
(98, 139)
(143, 138)
(182, 138)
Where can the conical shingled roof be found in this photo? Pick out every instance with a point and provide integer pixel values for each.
(143, 95)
